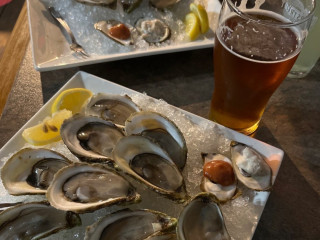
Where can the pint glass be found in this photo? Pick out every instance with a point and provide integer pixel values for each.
(256, 44)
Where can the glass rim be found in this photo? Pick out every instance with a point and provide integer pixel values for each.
(277, 24)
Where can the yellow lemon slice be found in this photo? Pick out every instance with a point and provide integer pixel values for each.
(48, 131)
(201, 13)
(71, 99)
(192, 26)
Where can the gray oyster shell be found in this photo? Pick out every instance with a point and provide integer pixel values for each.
(83, 187)
(31, 170)
(223, 193)
(34, 221)
(163, 3)
(202, 219)
(130, 224)
(163, 131)
(90, 138)
(108, 3)
(153, 30)
(111, 107)
(250, 167)
(147, 162)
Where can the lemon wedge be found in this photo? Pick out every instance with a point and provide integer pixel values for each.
(192, 26)
(48, 131)
(71, 99)
(201, 13)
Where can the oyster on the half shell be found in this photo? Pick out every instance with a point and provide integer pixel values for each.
(146, 161)
(130, 224)
(119, 32)
(90, 138)
(83, 187)
(218, 176)
(153, 30)
(34, 221)
(202, 219)
(250, 167)
(30, 171)
(162, 130)
(111, 107)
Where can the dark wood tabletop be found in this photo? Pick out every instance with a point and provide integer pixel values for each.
(291, 122)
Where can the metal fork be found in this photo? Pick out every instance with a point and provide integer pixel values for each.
(74, 46)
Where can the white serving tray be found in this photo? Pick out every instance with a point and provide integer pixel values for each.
(50, 48)
(242, 214)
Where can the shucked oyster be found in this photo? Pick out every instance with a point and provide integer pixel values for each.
(146, 161)
(34, 221)
(163, 3)
(218, 176)
(112, 107)
(83, 187)
(130, 225)
(117, 31)
(202, 219)
(153, 30)
(109, 3)
(90, 138)
(250, 167)
(30, 171)
(162, 131)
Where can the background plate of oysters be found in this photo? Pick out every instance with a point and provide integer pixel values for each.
(50, 43)
(241, 214)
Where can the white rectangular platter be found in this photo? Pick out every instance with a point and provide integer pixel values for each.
(50, 46)
(241, 214)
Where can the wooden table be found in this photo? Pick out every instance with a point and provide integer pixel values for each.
(291, 121)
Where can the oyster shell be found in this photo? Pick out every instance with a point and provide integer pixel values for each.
(108, 3)
(153, 30)
(202, 219)
(163, 3)
(111, 107)
(146, 161)
(90, 138)
(83, 187)
(34, 220)
(129, 5)
(117, 31)
(222, 191)
(130, 225)
(30, 171)
(250, 167)
(162, 131)
(162, 236)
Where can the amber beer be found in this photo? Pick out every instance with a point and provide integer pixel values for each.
(250, 62)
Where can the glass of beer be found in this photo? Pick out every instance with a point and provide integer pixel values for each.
(256, 44)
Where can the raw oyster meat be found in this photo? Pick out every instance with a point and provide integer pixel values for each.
(146, 161)
(108, 3)
(118, 31)
(34, 221)
(111, 107)
(250, 167)
(30, 171)
(220, 181)
(163, 3)
(153, 30)
(90, 138)
(130, 225)
(129, 5)
(83, 187)
(202, 219)
(162, 131)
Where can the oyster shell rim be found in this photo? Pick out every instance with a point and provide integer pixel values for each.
(86, 207)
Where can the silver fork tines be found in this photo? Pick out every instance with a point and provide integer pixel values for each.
(74, 46)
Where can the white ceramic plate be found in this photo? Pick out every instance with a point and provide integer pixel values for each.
(51, 51)
(241, 215)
